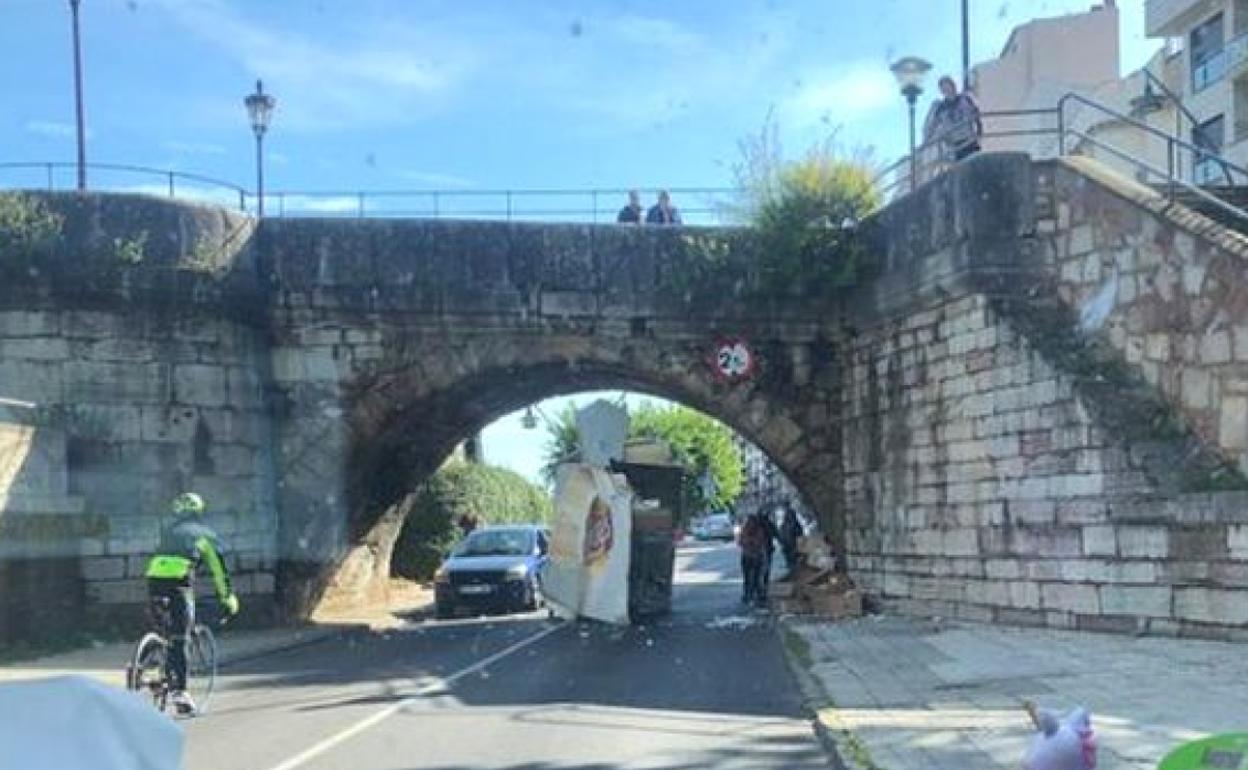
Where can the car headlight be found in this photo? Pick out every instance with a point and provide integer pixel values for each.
(517, 572)
(441, 576)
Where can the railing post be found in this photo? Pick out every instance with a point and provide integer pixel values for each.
(281, 204)
(242, 200)
(359, 199)
(1171, 150)
(1061, 128)
(593, 194)
(171, 195)
(508, 196)
(437, 205)
(51, 180)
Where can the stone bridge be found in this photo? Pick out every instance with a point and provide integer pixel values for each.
(1036, 410)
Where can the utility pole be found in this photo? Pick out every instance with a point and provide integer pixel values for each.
(82, 132)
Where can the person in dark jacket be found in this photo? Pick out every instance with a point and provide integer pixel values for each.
(630, 214)
(185, 546)
(954, 121)
(772, 535)
(663, 212)
(752, 540)
(790, 531)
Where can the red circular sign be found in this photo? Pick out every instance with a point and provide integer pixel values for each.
(733, 359)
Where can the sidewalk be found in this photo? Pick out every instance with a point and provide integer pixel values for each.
(903, 694)
(107, 662)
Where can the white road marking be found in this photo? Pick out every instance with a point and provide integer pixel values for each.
(433, 686)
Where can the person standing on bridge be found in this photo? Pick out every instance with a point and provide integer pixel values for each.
(954, 121)
(630, 214)
(663, 212)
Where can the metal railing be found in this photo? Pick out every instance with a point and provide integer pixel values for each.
(696, 205)
(120, 177)
(933, 157)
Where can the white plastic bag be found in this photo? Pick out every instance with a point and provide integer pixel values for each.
(1065, 744)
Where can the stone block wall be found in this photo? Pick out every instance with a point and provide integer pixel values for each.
(122, 409)
(989, 480)
(1166, 287)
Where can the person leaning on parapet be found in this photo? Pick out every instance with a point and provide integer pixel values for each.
(663, 212)
(954, 120)
(630, 214)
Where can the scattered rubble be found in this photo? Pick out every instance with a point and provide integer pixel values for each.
(815, 587)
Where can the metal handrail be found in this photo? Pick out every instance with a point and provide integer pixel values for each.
(169, 176)
(1197, 189)
(1172, 141)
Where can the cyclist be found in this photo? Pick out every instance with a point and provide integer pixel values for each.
(185, 545)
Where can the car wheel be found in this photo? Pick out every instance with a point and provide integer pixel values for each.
(530, 597)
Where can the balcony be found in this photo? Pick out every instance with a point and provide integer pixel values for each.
(1172, 18)
(1229, 62)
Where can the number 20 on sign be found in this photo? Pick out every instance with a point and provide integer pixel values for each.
(733, 360)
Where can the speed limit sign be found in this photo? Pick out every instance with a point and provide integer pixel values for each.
(733, 360)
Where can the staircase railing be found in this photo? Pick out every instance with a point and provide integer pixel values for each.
(932, 158)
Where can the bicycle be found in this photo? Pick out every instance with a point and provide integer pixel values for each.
(147, 673)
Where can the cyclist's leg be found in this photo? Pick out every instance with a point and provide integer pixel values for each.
(182, 613)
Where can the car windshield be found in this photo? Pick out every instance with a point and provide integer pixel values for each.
(532, 384)
(497, 542)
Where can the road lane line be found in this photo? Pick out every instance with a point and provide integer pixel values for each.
(302, 758)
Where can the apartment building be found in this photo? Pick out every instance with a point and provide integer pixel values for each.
(1209, 44)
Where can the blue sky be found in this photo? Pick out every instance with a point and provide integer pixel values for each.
(380, 94)
(448, 94)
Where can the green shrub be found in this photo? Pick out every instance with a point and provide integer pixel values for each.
(28, 230)
(494, 495)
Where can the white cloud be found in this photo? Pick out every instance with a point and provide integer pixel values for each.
(436, 179)
(378, 72)
(53, 129)
(217, 196)
(312, 204)
(193, 148)
(846, 95)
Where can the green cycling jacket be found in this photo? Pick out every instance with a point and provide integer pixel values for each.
(184, 546)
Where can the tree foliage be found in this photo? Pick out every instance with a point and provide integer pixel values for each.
(494, 495)
(803, 213)
(700, 443)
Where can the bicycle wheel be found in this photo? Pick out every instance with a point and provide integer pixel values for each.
(146, 674)
(201, 665)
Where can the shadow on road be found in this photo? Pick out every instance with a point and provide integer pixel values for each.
(709, 655)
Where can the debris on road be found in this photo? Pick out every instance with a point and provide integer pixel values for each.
(815, 587)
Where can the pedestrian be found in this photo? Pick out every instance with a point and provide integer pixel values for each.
(954, 121)
(771, 537)
(752, 540)
(663, 212)
(790, 531)
(467, 523)
(630, 214)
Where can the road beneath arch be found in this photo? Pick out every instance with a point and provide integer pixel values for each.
(707, 687)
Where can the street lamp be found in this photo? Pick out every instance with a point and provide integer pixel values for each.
(966, 48)
(909, 72)
(260, 108)
(81, 125)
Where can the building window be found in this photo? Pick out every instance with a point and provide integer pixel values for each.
(1208, 61)
(1210, 135)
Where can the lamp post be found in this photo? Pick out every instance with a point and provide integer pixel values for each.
(260, 108)
(80, 120)
(966, 48)
(909, 72)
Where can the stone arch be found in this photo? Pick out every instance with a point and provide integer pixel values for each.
(403, 417)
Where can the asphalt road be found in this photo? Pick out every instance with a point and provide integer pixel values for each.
(707, 687)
